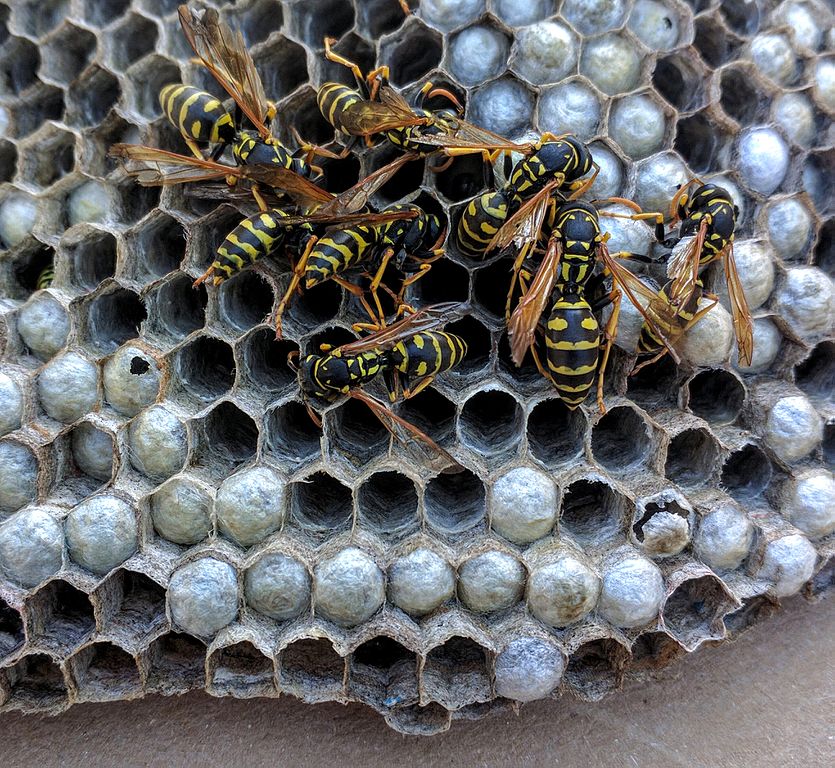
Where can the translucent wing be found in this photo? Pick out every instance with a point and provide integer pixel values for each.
(327, 220)
(425, 319)
(169, 167)
(223, 52)
(365, 118)
(683, 255)
(522, 324)
(358, 196)
(524, 226)
(415, 441)
(457, 133)
(743, 325)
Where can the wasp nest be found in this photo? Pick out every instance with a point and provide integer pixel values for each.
(171, 519)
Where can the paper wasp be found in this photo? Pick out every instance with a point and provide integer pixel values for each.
(408, 354)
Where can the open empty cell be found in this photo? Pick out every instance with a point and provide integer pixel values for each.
(205, 368)
(228, 434)
(463, 179)
(490, 286)
(383, 672)
(147, 79)
(64, 615)
(28, 267)
(445, 281)
(307, 118)
(694, 612)
(312, 670)
(291, 434)
(816, 374)
(43, 102)
(717, 396)
(159, 245)
(11, 629)
(655, 383)
(100, 14)
(388, 503)
(177, 663)
(105, 672)
(430, 412)
(555, 433)
(825, 249)
(245, 300)
(321, 503)
(93, 258)
(712, 42)
(313, 21)
(179, 308)
(406, 180)
(48, 156)
(315, 305)
(752, 611)
(131, 39)
(593, 513)
(700, 142)
(478, 341)
(621, 439)
(114, 317)
(491, 422)
(376, 17)
(91, 96)
(455, 674)
(8, 160)
(525, 377)
(241, 670)
(691, 458)
(340, 173)
(135, 201)
(67, 52)
(412, 53)
(18, 65)
(356, 433)
(680, 81)
(742, 16)
(137, 603)
(455, 502)
(746, 473)
(282, 66)
(255, 21)
(739, 97)
(652, 652)
(37, 683)
(596, 668)
(265, 359)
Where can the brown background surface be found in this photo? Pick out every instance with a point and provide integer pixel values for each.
(766, 700)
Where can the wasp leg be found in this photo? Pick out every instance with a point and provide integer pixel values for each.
(355, 290)
(295, 282)
(355, 70)
(419, 387)
(204, 277)
(639, 216)
(443, 166)
(548, 136)
(584, 186)
(543, 370)
(404, 5)
(610, 333)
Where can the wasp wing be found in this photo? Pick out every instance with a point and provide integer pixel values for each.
(365, 117)
(357, 197)
(456, 133)
(223, 52)
(524, 226)
(743, 325)
(415, 441)
(169, 167)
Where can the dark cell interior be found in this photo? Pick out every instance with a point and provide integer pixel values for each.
(621, 439)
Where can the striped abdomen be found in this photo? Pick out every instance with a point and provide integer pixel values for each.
(671, 321)
(198, 115)
(255, 237)
(480, 221)
(251, 149)
(427, 354)
(572, 340)
(324, 375)
(45, 278)
(338, 252)
(333, 100)
(408, 138)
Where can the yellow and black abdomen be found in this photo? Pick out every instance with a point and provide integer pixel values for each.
(198, 115)
(329, 375)
(480, 221)
(45, 278)
(334, 99)
(255, 237)
(427, 354)
(339, 252)
(671, 322)
(572, 341)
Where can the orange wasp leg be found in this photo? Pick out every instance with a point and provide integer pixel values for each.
(295, 282)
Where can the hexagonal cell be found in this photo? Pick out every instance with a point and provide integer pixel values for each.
(133, 201)
(47, 156)
(753, 611)
(177, 663)
(157, 246)
(177, 308)
(478, 54)
(225, 435)
(105, 672)
(131, 39)
(377, 17)
(652, 652)
(463, 178)
(593, 513)
(716, 395)
(92, 452)
(742, 16)
(382, 672)
(491, 423)
(37, 683)
(613, 62)
(256, 20)
(91, 96)
(92, 256)
(713, 43)
(621, 440)
(456, 673)
(321, 503)
(740, 98)
(11, 629)
(596, 668)
(490, 285)
(43, 102)
(242, 671)
(8, 160)
(101, 14)
(114, 317)
(479, 346)
(65, 616)
(67, 53)
(291, 434)
(19, 470)
(133, 604)
(413, 52)
(504, 106)
(654, 384)
(388, 503)
(825, 249)
(746, 473)
(265, 361)
(311, 670)
(446, 281)
(282, 65)
(18, 65)
(816, 374)
(405, 181)
(524, 378)
(246, 300)
(316, 20)
(638, 123)
(691, 458)
(307, 118)
(701, 143)
(455, 502)
(205, 368)
(315, 306)
(29, 265)
(147, 78)
(355, 432)
(656, 527)
(817, 180)
(555, 433)
(693, 612)
(430, 412)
